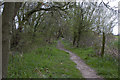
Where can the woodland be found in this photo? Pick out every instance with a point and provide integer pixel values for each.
(38, 39)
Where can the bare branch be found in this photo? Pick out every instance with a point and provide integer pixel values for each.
(1, 3)
(28, 14)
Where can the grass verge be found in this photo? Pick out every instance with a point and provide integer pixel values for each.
(106, 66)
(44, 62)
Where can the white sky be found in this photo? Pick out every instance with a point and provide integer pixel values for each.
(114, 3)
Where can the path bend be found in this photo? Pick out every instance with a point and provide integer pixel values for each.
(86, 71)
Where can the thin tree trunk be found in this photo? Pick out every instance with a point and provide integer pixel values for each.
(74, 39)
(59, 33)
(78, 39)
(103, 45)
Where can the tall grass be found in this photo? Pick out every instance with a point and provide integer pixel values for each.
(44, 62)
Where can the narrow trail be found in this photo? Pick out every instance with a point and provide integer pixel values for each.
(86, 71)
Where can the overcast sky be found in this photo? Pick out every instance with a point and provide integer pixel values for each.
(113, 3)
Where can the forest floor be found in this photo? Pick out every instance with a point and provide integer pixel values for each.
(86, 71)
(51, 62)
(43, 62)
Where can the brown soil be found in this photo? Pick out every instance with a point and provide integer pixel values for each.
(86, 71)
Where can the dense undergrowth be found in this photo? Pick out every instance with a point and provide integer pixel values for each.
(44, 62)
(106, 66)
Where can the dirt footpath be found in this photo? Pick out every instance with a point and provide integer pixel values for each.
(86, 71)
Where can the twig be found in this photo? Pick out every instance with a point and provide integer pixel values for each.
(1, 3)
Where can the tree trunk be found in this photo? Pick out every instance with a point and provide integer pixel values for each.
(103, 45)
(74, 39)
(7, 17)
(59, 33)
(9, 12)
(0, 46)
(78, 38)
(78, 41)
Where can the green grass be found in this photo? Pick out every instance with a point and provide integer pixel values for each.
(116, 37)
(116, 42)
(44, 62)
(106, 66)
